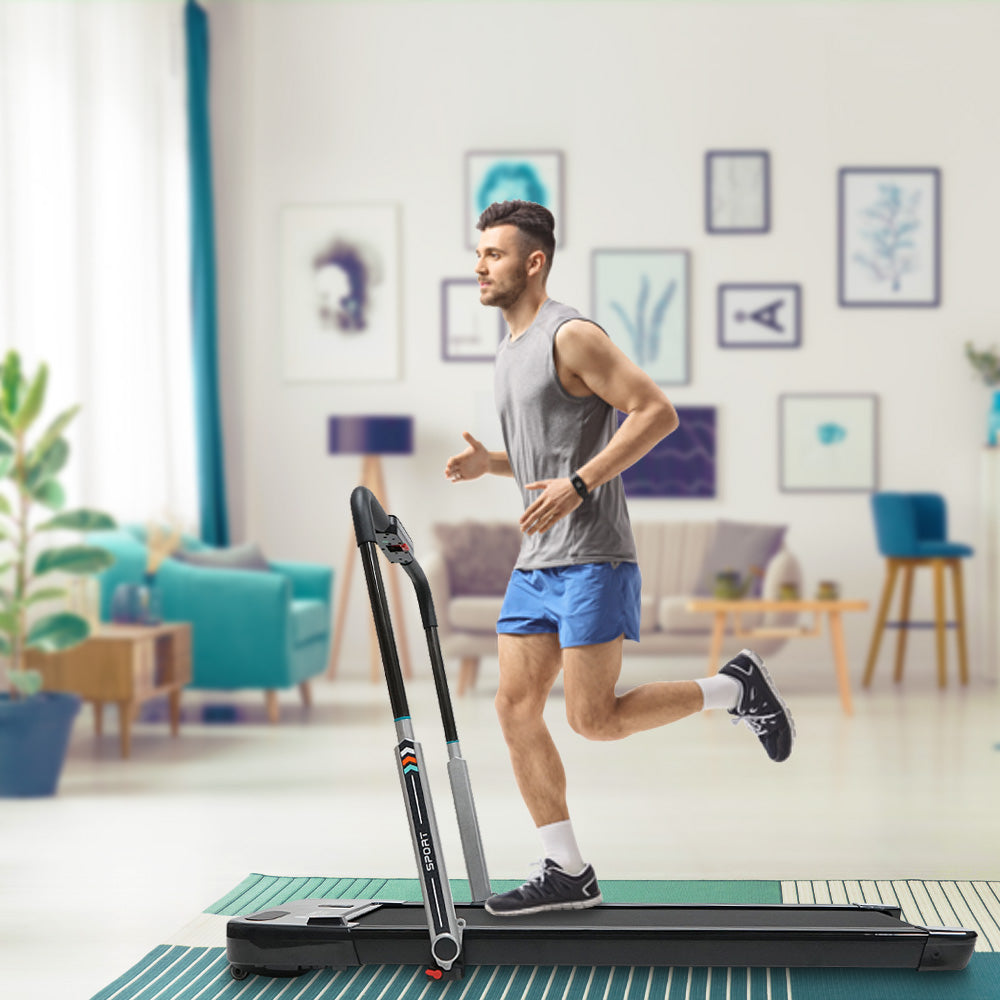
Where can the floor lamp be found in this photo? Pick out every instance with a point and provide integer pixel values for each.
(371, 437)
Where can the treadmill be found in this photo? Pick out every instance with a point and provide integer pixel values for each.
(445, 937)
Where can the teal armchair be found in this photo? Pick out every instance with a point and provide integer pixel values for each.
(250, 628)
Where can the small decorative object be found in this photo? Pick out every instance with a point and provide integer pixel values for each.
(513, 175)
(160, 543)
(729, 586)
(788, 592)
(35, 724)
(828, 442)
(986, 365)
(682, 465)
(641, 297)
(828, 590)
(889, 236)
(130, 604)
(470, 331)
(737, 191)
(760, 315)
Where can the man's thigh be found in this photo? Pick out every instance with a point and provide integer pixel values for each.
(590, 674)
(529, 665)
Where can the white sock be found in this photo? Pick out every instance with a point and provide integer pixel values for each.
(559, 844)
(720, 691)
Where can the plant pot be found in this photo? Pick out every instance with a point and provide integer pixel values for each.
(34, 733)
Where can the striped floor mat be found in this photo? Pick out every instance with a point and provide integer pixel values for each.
(192, 965)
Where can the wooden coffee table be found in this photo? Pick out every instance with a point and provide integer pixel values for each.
(833, 610)
(124, 664)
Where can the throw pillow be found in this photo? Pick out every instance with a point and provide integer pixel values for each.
(479, 557)
(740, 546)
(247, 556)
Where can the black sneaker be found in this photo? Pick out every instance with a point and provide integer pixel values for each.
(548, 888)
(760, 706)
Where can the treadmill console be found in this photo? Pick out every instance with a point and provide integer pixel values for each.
(395, 543)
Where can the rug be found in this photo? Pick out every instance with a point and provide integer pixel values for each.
(192, 965)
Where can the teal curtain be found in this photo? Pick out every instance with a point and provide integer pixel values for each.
(208, 420)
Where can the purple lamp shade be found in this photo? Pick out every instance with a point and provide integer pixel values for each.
(369, 435)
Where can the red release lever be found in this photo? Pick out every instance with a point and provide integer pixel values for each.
(433, 973)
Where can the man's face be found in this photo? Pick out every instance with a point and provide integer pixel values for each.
(501, 267)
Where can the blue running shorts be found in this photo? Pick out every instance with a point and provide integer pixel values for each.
(586, 604)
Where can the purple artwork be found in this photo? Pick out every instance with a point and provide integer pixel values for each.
(682, 465)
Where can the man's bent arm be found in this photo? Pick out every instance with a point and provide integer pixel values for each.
(589, 360)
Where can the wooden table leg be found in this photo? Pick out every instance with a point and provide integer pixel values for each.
(98, 718)
(125, 727)
(175, 711)
(840, 660)
(715, 650)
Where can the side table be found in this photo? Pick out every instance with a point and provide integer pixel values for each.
(124, 664)
(832, 609)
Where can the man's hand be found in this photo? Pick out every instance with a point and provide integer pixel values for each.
(470, 464)
(559, 498)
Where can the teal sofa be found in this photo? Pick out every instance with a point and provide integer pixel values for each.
(265, 628)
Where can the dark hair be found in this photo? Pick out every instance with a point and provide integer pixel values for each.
(534, 222)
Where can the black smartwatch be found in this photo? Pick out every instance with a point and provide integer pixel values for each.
(579, 485)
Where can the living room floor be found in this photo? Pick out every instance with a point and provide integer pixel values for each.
(129, 851)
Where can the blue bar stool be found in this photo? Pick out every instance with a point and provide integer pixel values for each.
(912, 530)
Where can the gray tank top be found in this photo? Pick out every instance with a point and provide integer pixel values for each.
(549, 434)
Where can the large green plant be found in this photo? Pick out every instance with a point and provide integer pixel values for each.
(29, 484)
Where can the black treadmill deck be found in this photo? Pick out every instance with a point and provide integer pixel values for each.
(316, 933)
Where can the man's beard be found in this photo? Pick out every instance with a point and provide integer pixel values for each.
(504, 298)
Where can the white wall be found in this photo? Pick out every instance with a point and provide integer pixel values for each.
(353, 102)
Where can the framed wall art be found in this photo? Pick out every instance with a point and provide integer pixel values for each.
(828, 442)
(760, 315)
(889, 236)
(642, 299)
(682, 465)
(470, 331)
(737, 191)
(509, 175)
(339, 288)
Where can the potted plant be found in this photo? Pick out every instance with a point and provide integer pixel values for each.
(986, 365)
(35, 724)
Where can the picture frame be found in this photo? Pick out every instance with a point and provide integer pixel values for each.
(680, 466)
(828, 442)
(737, 191)
(760, 315)
(506, 175)
(339, 292)
(642, 298)
(470, 331)
(889, 237)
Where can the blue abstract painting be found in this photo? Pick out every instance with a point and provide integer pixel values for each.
(513, 175)
(682, 465)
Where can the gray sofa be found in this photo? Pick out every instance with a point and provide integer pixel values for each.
(471, 562)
